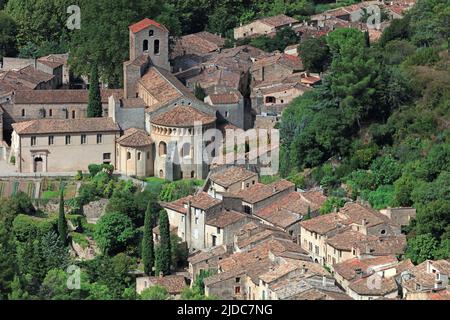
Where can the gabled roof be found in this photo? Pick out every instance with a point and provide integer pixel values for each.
(231, 176)
(145, 23)
(46, 126)
(224, 218)
(60, 96)
(260, 191)
(279, 20)
(349, 268)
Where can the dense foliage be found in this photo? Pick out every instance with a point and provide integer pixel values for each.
(377, 128)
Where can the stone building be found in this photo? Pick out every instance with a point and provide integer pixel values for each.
(265, 26)
(56, 145)
(135, 153)
(229, 107)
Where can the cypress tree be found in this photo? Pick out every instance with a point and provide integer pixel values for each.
(165, 254)
(148, 250)
(199, 92)
(62, 223)
(94, 109)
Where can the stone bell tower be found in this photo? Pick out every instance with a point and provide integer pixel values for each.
(151, 38)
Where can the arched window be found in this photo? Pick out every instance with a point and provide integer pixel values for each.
(161, 173)
(156, 47)
(23, 112)
(162, 148)
(271, 100)
(192, 174)
(151, 33)
(145, 45)
(139, 156)
(50, 113)
(73, 114)
(128, 155)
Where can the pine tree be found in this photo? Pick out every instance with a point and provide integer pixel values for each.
(94, 109)
(148, 250)
(164, 254)
(62, 223)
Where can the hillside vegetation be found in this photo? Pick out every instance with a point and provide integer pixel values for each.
(377, 129)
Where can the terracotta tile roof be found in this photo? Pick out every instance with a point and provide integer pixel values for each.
(206, 254)
(135, 138)
(225, 98)
(279, 20)
(381, 246)
(325, 223)
(224, 218)
(317, 294)
(310, 268)
(145, 23)
(440, 295)
(51, 61)
(348, 269)
(420, 275)
(231, 176)
(374, 286)
(182, 116)
(45, 126)
(260, 191)
(278, 217)
(179, 205)
(314, 198)
(162, 86)
(347, 239)
(259, 237)
(213, 77)
(204, 201)
(198, 43)
(290, 61)
(174, 284)
(201, 200)
(26, 78)
(60, 96)
(357, 212)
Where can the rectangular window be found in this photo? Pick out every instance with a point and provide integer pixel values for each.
(33, 141)
(317, 249)
(83, 139)
(51, 140)
(237, 290)
(99, 138)
(67, 139)
(107, 156)
(218, 230)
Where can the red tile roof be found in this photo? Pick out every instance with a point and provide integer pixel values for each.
(260, 191)
(232, 175)
(135, 138)
(224, 218)
(182, 116)
(348, 269)
(60, 96)
(45, 126)
(145, 23)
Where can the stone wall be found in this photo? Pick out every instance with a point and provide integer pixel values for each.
(95, 210)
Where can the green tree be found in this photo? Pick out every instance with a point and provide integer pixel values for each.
(199, 92)
(155, 293)
(148, 250)
(421, 248)
(164, 253)
(8, 31)
(315, 54)
(62, 223)
(94, 108)
(114, 232)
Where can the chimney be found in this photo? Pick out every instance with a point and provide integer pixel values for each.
(428, 266)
